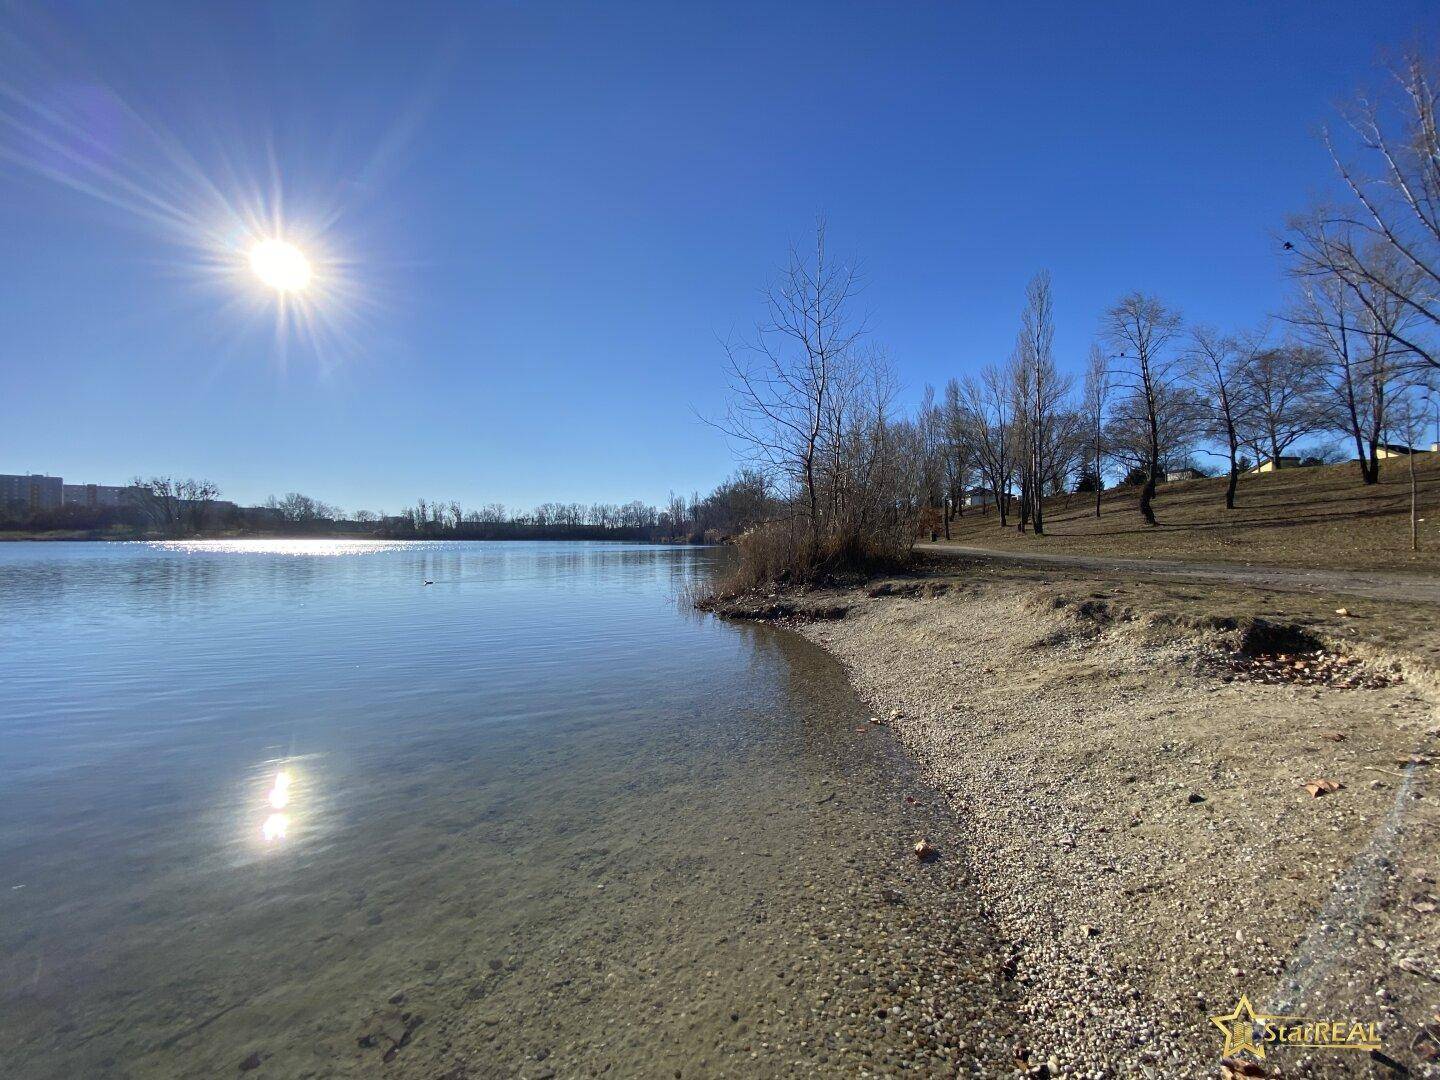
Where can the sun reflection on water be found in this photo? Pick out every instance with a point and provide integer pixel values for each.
(277, 825)
(280, 793)
(279, 545)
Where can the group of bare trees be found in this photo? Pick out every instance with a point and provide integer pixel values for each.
(302, 511)
(812, 412)
(172, 504)
(846, 478)
(1351, 359)
(1158, 395)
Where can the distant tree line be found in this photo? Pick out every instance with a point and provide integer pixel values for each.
(175, 507)
(733, 506)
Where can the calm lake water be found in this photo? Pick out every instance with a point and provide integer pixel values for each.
(282, 806)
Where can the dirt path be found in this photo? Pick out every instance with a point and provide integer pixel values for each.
(1373, 584)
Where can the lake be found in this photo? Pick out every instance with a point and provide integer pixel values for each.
(332, 808)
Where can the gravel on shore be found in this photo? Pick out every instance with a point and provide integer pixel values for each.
(1136, 816)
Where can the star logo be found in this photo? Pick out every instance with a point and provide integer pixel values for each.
(1239, 1029)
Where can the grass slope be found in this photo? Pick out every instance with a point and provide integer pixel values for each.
(1313, 517)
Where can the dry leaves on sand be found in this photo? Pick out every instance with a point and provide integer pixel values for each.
(1321, 786)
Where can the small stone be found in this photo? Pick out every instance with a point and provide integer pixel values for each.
(251, 1062)
(1194, 797)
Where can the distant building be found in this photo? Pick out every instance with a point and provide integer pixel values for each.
(1282, 462)
(95, 496)
(1393, 450)
(1183, 474)
(979, 497)
(32, 492)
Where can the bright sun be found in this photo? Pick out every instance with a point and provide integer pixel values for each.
(280, 265)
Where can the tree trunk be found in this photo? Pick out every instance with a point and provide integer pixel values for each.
(1039, 508)
(1233, 480)
(1368, 472)
(1147, 493)
(1098, 484)
(1370, 463)
(1414, 509)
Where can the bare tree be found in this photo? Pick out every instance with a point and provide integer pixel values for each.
(1142, 329)
(298, 509)
(675, 514)
(958, 451)
(1093, 411)
(1358, 363)
(1280, 407)
(934, 455)
(1387, 245)
(1406, 423)
(1218, 370)
(1039, 396)
(987, 407)
(173, 503)
(783, 379)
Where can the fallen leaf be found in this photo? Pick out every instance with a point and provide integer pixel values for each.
(1333, 736)
(1415, 967)
(1425, 1047)
(1322, 786)
(1238, 1066)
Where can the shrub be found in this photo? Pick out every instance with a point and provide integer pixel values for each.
(783, 552)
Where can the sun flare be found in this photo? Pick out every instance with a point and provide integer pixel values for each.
(280, 265)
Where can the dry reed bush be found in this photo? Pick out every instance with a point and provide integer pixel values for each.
(783, 553)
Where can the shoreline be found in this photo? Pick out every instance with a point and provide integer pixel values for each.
(1132, 778)
(69, 536)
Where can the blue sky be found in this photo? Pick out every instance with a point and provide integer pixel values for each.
(533, 222)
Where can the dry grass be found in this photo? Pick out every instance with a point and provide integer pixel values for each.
(1320, 517)
(779, 553)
